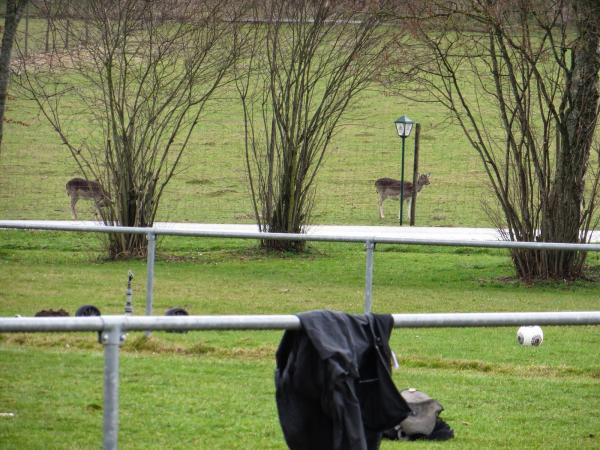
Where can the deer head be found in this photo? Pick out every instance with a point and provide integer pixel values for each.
(423, 179)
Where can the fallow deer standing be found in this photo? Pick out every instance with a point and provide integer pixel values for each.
(87, 189)
(390, 188)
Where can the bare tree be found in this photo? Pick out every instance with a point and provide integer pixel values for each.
(126, 100)
(12, 17)
(310, 59)
(521, 79)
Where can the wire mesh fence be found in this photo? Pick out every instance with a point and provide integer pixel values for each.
(211, 183)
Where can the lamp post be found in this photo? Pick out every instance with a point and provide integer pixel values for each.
(403, 126)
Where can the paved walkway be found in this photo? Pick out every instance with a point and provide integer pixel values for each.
(438, 233)
(446, 233)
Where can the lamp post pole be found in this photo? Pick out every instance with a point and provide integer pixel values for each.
(403, 127)
(402, 183)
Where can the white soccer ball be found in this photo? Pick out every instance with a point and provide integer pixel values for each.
(530, 336)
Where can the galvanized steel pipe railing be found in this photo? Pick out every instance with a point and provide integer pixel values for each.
(112, 328)
(286, 322)
(259, 235)
(369, 240)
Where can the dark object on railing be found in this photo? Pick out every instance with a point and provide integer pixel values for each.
(176, 312)
(52, 313)
(333, 385)
(87, 310)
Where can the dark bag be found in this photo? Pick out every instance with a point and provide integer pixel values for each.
(423, 421)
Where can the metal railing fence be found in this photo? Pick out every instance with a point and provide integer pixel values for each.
(111, 329)
(369, 241)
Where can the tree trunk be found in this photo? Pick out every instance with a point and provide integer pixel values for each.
(14, 11)
(562, 218)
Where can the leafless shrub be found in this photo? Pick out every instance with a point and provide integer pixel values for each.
(309, 59)
(127, 97)
(533, 65)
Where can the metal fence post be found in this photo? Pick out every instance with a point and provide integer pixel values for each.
(150, 274)
(370, 247)
(111, 338)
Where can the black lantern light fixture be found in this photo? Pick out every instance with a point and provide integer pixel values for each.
(404, 126)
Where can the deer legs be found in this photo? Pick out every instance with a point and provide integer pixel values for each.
(407, 210)
(75, 199)
(381, 215)
(73, 203)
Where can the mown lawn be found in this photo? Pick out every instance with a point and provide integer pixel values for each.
(182, 402)
(215, 389)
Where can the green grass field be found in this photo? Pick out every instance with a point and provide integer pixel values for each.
(214, 390)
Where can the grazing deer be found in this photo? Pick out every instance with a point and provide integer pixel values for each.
(388, 187)
(92, 190)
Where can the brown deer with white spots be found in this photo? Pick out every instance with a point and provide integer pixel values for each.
(78, 188)
(390, 188)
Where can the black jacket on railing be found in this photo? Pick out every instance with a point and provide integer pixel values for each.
(333, 385)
